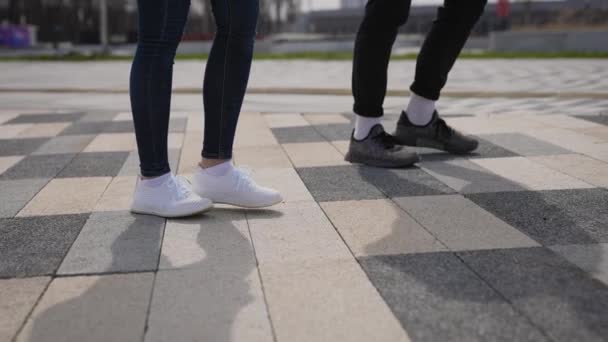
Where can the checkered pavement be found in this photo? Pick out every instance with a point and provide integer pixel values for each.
(509, 243)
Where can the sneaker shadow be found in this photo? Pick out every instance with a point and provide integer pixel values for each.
(206, 289)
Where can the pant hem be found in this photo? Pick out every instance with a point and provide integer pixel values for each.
(365, 112)
(212, 155)
(432, 95)
(155, 173)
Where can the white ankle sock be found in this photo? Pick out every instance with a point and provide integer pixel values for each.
(420, 110)
(156, 181)
(363, 125)
(219, 169)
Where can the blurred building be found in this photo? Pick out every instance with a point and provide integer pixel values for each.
(77, 21)
(522, 14)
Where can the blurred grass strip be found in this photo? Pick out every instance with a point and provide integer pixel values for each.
(319, 56)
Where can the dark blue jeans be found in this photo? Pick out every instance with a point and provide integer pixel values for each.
(161, 25)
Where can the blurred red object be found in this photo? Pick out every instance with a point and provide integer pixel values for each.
(503, 9)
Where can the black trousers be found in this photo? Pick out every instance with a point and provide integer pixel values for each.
(374, 43)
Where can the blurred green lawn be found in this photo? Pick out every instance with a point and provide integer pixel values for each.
(321, 56)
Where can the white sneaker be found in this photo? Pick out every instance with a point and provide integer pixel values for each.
(173, 198)
(234, 188)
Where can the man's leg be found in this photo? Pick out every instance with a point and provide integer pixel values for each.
(370, 144)
(373, 47)
(419, 124)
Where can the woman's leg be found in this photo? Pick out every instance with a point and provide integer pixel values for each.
(224, 88)
(227, 74)
(161, 24)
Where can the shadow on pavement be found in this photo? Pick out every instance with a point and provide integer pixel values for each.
(501, 294)
(194, 301)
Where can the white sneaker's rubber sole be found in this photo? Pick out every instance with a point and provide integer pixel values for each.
(165, 215)
(251, 207)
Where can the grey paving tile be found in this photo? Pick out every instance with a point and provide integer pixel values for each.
(95, 164)
(45, 118)
(536, 214)
(565, 301)
(338, 183)
(524, 145)
(115, 242)
(403, 182)
(40, 166)
(466, 177)
(591, 258)
(18, 297)
(335, 132)
(14, 194)
(592, 203)
(20, 147)
(65, 144)
(98, 116)
(286, 135)
(34, 246)
(100, 308)
(98, 127)
(437, 298)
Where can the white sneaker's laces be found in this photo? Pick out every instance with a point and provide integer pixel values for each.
(244, 180)
(180, 187)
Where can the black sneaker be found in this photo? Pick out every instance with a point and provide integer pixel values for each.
(379, 149)
(436, 134)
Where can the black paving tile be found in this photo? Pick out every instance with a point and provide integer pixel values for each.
(437, 298)
(338, 183)
(20, 147)
(35, 246)
(566, 302)
(45, 118)
(537, 214)
(95, 164)
(37, 166)
(301, 134)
